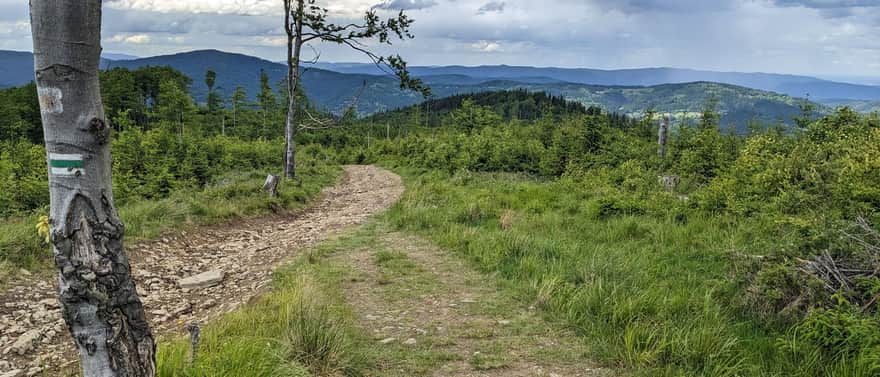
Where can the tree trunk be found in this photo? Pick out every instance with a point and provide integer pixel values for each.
(97, 294)
(294, 49)
(663, 136)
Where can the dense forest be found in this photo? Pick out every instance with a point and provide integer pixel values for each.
(729, 254)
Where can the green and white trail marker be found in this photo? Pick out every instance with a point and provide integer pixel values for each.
(66, 164)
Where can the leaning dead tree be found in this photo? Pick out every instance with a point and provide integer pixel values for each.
(97, 295)
(305, 22)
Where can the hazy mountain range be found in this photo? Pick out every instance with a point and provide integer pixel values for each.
(335, 86)
(796, 86)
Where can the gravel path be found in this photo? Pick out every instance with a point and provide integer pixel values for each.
(33, 337)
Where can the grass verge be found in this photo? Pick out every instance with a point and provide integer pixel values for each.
(302, 328)
(233, 195)
(651, 294)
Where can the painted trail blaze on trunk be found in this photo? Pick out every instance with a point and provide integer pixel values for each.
(66, 164)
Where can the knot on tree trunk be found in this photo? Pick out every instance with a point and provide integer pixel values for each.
(99, 129)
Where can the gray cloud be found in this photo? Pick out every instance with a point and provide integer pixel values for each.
(829, 4)
(405, 4)
(643, 6)
(789, 36)
(490, 7)
(13, 11)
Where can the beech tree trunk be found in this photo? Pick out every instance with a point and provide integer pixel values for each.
(294, 49)
(97, 294)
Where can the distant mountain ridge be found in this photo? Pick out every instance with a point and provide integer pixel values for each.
(371, 93)
(16, 68)
(13, 65)
(793, 85)
(112, 56)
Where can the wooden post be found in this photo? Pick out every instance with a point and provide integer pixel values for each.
(195, 334)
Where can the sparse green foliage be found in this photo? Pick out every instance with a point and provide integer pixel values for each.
(173, 103)
(314, 24)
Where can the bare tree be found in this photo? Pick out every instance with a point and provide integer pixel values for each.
(305, 22)
(663, 136)
(98, 297)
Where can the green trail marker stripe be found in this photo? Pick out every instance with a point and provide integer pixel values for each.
(66, 163)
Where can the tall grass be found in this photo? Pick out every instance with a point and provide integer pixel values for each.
(302, 328)
(652, 294)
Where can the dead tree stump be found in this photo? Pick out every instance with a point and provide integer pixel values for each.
(271, 185)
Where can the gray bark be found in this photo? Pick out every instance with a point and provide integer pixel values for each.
(271, 185)
(663, 137)
(294, 48)
(97, 294)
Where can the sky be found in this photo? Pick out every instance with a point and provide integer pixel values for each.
(817, 37)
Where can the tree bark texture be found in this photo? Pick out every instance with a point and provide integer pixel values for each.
(98, 297)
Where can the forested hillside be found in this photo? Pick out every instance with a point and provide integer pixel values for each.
(375, 93)
(371, 93)
(792, 85)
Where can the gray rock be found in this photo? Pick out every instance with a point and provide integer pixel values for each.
(13, 373)
(203, 280)
(209, 303)
(26, 342)
(159, 313)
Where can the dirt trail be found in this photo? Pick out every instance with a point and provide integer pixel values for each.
(442, 318)
(245, 251)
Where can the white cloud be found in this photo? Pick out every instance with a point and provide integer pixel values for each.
(486, 46)
(245, 7)
(131, 39)
(13, 28)
(347, 8)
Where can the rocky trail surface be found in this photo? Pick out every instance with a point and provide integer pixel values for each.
(191, 275)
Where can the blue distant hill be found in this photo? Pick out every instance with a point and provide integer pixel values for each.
(796, 86)
(335, 87)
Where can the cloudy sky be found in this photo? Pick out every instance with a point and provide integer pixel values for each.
(821, 37)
